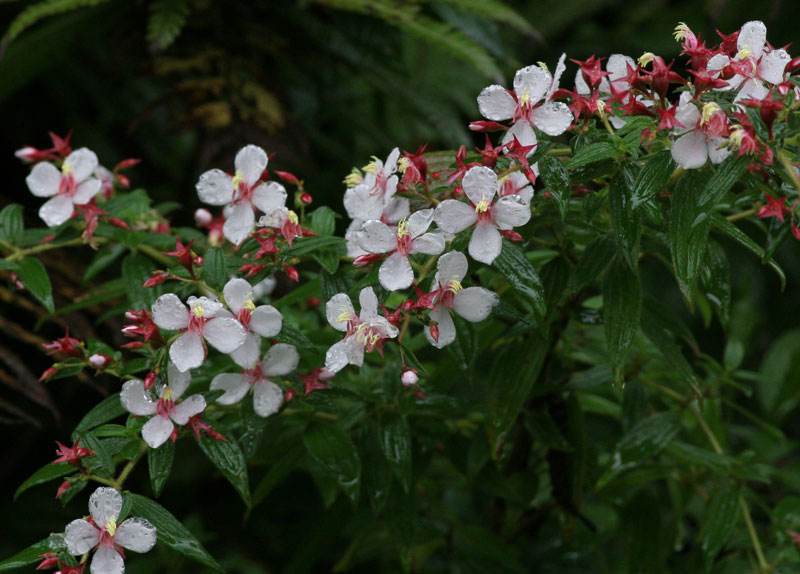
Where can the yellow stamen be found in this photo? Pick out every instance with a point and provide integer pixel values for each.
(681, 31)
(372, 167)
(483, 205)
(403, 164)
(167, 394)
(524, 99)
(292, 217)
(744, 53)
(454, 286)
(601, 109)
(354, 178)
(646, 58)
(361, 330)
(237, 179)
(111, 526)
(709, 109)
(543, 66)
(66, 168)
(344, 316)
(402, 228)
(198, 311)
(248, 303)
(736, 137)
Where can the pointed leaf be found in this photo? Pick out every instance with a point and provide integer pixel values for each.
(215, 270)
(332, 449)
(159, 463)
(229, 460)
(556, 179)
(32, 553)
(11, 224)
(396, 446)
(722, 517)
(108, 409)
(522, 276)
(47, 473)
(621, 309)
(34, 276)
(651, 179)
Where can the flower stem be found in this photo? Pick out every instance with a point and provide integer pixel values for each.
(130, 466)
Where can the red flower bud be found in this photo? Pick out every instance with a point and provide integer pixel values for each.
(149, 380)
(117, 222)
(434, 332)
(287, 177)
(292, 273)
(306, 199)
(289, 395)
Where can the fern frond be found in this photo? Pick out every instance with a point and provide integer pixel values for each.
(40, 11)
(494, 10)
(167, 19)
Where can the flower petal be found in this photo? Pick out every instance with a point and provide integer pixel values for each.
(430, 244)
(193, 405)
(177, 380)
(580, 84)
(83, 162)
(419, 222)
(337, 306)
(511, 211)
(170, 313)
(717, 150)
(377, 237)
(496, 104)
(44, 179)
(474, 303)
(553, 118)
(215, 187)
(281, 359)
(451, 265)
(188, 352)
(86, 190)
(247, 355)
(224, 333)
(239, 224)
(753, 36)
(453, 216)
(532, 81)
(104, 503)
(266, 320)
(480, 184)
(524, 133)
(157, 430)
(236, 292)
(396, 273)
(80, 537)
(690, 151)
(447, 329)
(107, 561)
(361, 204)
(251, 161)
(135, 399)
(267, 398)
(396, 209)
(269, 196)
(485, 244)
(336, 358)
(136, 534)
(771, 66)
(234, 385)
(369, 304)
(56, 210)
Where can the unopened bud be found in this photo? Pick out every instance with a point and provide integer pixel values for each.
(409, 377)
(292, 273)
(157, 279)
(27, 154)
(203, 216)
(117, 222)
(63, 488)
(133, 345)
(313, 302)
(434, 332)
(306, 199)
(149, 380)
(483, 126)
(48, 373)
(289, 395)
(366, 259)
(99, 360)
(287, 177)
(784, 88)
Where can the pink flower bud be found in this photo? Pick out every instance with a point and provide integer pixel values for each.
(27, 154)
(287, 177)
(289, 395)
(117, 222)
(306, 199)
(63, 488)
(292, 273)
(197, 260)
(48, 373)
(203, 216)
(157, 279)
(409, 377)
(99, 360)
(149, 380)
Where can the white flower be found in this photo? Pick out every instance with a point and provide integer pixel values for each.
(281, 359)
(532, 85)
(73, 185)
(615, 84)
(486, 214)
(206, 319)
(241, 193)
(699, 140)
(165, 410)
(105, 535)
(473, 303)
(406, 238)
(364, 332)
(258, 321)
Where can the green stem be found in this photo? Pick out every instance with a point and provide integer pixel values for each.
(101, 480)
(130, 466)
(22, 253)
(743, 214)
(155, 254)
(763, 566)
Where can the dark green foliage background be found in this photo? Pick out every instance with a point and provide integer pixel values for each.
(345, 85)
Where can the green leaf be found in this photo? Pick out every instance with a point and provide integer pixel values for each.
(167, 19)
(252, 427)
(495, 10)
(102, 461)
(596, 257)
(328, 259)
(688, 233)
(306, 245)
(108, 409)
(520, 273)
(102, 259)
(294, 336)
(652, 178)
(655, 330)
(514, 372)
(626, 221)
(722, 517)
(376, 473)
(396, 446)
(170, 531)
(131, 205)
(135, 271)
(34, 276)
(6, 265)
(33, 14)
(647, 439)
(47, 473)
(729, 228)
(332, 449)
(229, 460)
(110, 290)
(159, 463)
(621, 309)
(592, 153)
(716, 275)
(331, 285)
(32, 553)
(556, 180)
(215, 270)
(323, 221)
(279, 470)
(11, 224)
(727, 174)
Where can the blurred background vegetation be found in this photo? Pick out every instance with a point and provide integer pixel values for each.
(323, 85)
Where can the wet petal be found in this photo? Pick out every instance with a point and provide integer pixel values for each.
(44, 179)
(281, 359)
(690, 151)
(239, 224)
(225, 334)
(524, 133)
(192, 406)
(234, 385)
(215, 187)
(396, 209)
(361, 204)
(396, 273)
(419, 222)
(451, 265)
(85, 191)
(136, 534)
(170, 313)
(248, 354)
(177, 380)
(187, 352)
(496, 104)
(752, 89)
(266, 320)
(480, 184)
(269, 196)
(485, 244)
(157, 430)
(135, 399)
(267, 398)
(337, 306)
(454, 216)
(511, 211)
(83, 162)
(104, 503)
(80, 537)
(336, 358)
(236, 292)
(553, 118)
(368, 302)
(753, 36)
(532, 81)
(56, 210)
(447, 329)
(717, 150)
(431, 243)
(107, 561)
(771, 66)
(251, 161)
(377, 237)
(474, 303)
